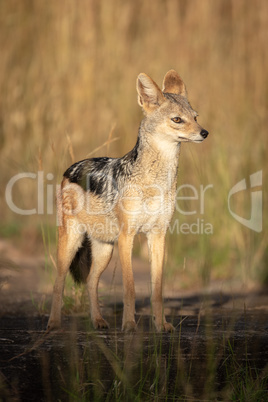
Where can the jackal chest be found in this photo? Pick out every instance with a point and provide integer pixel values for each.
(147, 207)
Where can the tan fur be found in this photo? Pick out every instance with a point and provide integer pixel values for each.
(173, 84)
(145, 204)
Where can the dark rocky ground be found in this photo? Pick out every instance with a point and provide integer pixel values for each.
(219, 350)
(77, 363)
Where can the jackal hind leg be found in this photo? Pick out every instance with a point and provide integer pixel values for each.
(101, 256)
(156, 243)
(68, 244)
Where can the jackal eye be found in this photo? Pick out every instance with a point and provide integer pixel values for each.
(177, 120)
(195, 118)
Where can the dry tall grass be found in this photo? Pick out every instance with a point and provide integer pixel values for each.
(67, 76)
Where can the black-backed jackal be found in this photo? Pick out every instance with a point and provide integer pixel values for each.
(104, 200)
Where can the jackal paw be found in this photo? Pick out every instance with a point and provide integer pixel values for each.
(53, 325)
(100, 323)
(129, 326)
(165, 327)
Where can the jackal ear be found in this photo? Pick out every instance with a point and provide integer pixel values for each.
(149, 94)
(173, 84)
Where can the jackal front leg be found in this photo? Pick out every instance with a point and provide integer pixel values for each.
(125, 243)
(156, 243)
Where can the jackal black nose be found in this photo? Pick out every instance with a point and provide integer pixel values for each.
(204, 133)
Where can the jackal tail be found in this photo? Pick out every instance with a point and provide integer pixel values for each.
(81, 263)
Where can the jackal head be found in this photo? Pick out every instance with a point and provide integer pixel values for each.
(169, 115)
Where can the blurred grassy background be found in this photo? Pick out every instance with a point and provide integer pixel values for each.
(67, 80)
